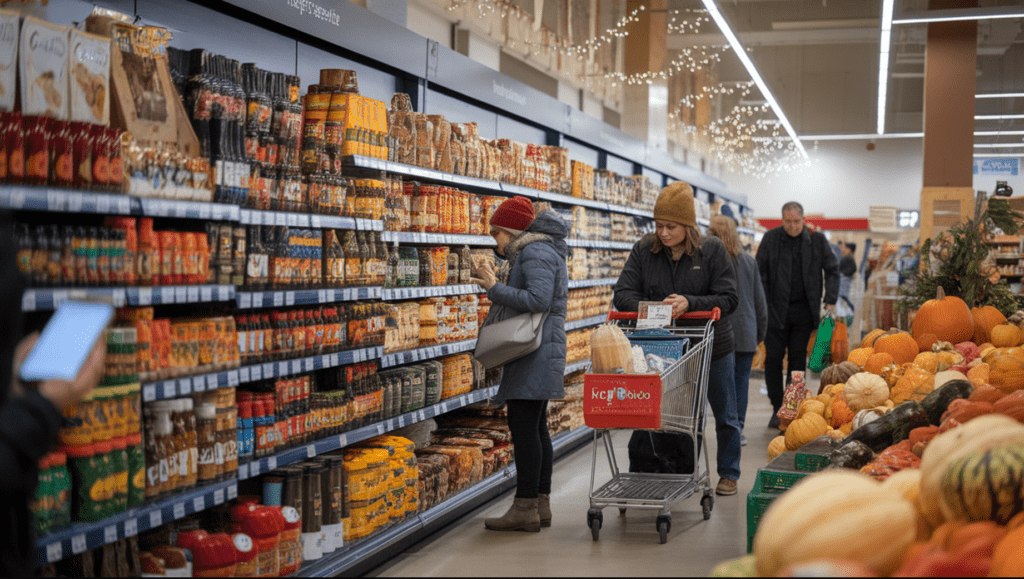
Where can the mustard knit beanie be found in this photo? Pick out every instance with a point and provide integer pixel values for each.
(675, 203)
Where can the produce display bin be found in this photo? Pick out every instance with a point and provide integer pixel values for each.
(814, 455)
(757, 503)
(780, 474)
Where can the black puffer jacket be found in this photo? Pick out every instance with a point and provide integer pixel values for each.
(817, 258)
(707, 282)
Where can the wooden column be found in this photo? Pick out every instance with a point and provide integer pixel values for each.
(645, 111)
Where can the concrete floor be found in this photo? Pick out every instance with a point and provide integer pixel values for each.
(627, 547)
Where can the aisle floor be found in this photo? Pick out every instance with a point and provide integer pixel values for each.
(627, 546)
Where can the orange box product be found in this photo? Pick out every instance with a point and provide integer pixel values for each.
(190, 259)
(438, 265)
(476, 216)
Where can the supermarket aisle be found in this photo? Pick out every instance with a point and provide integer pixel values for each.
(627, 547)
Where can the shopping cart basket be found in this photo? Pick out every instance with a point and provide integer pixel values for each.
(673, 401)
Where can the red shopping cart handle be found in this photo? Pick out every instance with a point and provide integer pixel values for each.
(715, 314)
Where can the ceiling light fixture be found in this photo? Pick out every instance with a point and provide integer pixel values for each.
(1003, 95)
(712, 9)
(997, 145)
(1011, 155)
(958, 14)
(883, 61)
(997, 117)
(861, 136)
(996, 133)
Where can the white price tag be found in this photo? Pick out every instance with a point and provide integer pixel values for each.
(205, 211)
(145, 296)
(224, 292)
(198, 384)
(233, 380)
(282, 368)
(391, 425)
(218, 495)
(332, 296)
(268, 370)
(232, 492)
(292, 220)
(401, 421)
(335, 359)
(423, 415)
(109, 533)
(310, 451)
(257, 299)
(444, 407)
(78, 544)
(289, 298)
(463, 400)
(342, 441)
(180, 294)
(167, 295)
(380, 428)
(206, 293)
(199, 504)
(321, 296)
(156, 518)
(74, 202)
(256, 372)
(281, 219)
(192, 294)
(278, 299)
(243, 471)
(272, 463)
(243, 374)
(245, 300)
(212, 382)
(308, 364)
(184, 387)
(296, 366)
(131, 527)
(54, 552)
(119, 297)
(28, 301)
(149, 393)
(254, 468)
(314, 221)
(179, 510)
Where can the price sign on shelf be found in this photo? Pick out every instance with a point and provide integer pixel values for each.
(109, 533)
(179, 510)
(218, 496)
(54, 552)
(198, 504)
(156, 518)
(78, 543)
(131, 527)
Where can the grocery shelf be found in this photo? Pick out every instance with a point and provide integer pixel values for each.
(586, 322)
(576, 284)
(28, 198)
(254, 372)
(267, 299)
(153, 207)
(314, 221)
(577, 366)
(412, 293)
(263, 465)
(426, 353)
(599, 244)
(80, 537)
(436, 238)
(44, 299)
(362, 555)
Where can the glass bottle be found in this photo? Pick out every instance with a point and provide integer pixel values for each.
(40, 255)
(25, 252)
(393, 269)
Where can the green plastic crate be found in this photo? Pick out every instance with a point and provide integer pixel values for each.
(757, 503)
(780, 473)
(814, 455)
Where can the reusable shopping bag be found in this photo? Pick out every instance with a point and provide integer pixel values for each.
(821, 354)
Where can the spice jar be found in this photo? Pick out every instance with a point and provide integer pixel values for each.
(206, 441)
(312, 539)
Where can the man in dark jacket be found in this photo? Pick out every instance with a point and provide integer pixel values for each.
(794, 264)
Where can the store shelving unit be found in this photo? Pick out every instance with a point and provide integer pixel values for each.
(44, 299)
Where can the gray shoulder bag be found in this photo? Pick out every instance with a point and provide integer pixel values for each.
(502, 342)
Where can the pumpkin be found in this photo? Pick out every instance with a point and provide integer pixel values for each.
(929, 362)
(869, 338)
(745, 566)
(776, 447)
(841, 413)
(1008, 557)
(1006, 373)
(610, 351)
(984, 485)
(1011, 405)
(963, 410)
(900, 345)
(811, 405)
(840, 341)
(982, 433)
(948, 317)
(986, 393)
(979, 374)
(837, 373)
(877, 361)
(893, 372)
(994, 353)
(868, 415)
(844, 514)
(1005, 336)
(925, 342)
(835, 389)
(860, 356)
(827, 567)
(947, 375)
(865, 390)
(915, 384)
(805, 429)
(985, 318)
(969, 350)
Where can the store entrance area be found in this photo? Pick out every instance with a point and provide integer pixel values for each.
(627, 547)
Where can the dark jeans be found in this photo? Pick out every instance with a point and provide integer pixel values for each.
(528, 422)
(742, 377)
(722, 400)
(777, 341)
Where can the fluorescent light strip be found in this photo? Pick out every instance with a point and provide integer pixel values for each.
(1004, 95)
(1011, 155)
(960, 14)
(883, 62)
(996, 133)
(740, 52)
(865, 136)
(997, 117)
(997, 145)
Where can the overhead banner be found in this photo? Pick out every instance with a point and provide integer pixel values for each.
(1000, 166)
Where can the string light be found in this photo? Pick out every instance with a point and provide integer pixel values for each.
(690, 59)
(677, 26)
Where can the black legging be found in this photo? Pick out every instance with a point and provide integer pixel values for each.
(791, 343)
(528, 422)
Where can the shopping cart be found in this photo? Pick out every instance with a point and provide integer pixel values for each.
(673, 401)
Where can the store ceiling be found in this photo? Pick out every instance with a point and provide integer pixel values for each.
(820, 59)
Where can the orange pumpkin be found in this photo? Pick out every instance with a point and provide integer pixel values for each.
(914, 385)
(841, 413)
(860, 356)
(900, 345)
(1008, 557)
(948, 317)
(1005, 336)
(1006, 373)
(979, 374)
(877, 361)
(925, 342)
(985, 318)
(942, 357)
(840, 342)
(869, 338)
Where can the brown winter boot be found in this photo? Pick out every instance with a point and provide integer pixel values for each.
(544, 510)
(521, 516)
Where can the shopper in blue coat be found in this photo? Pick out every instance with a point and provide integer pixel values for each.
(534, 278)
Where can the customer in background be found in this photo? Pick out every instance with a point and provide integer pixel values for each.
(678, 266)
(847, 269)
(750, 319)
(533, 278)
(795, 266)
(30, 415)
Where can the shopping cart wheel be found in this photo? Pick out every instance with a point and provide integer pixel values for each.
(594, 520)
(708, 503)
(664, 525)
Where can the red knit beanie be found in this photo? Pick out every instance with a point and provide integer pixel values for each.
(513, 214)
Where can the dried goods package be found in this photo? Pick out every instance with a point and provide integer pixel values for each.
(9, 26)
(44, 69)
(89, 84)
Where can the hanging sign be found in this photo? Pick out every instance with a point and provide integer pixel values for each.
(996, 166)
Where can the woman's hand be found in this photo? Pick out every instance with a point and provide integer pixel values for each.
(62, 392)
(484, 276)
(679, 304)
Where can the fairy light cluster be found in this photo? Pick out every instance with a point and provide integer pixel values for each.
(709, 91)
(689, 25)
(689, 59)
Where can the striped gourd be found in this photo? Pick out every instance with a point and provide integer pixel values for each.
(985, 485)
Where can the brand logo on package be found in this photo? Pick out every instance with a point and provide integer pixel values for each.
(622, 401)
(996, 166)
(55, 45)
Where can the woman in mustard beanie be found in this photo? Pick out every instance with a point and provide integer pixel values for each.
(679, 266)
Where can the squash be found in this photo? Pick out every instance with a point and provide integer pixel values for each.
(812, 405)
(900, 345)
(969, 350)
(1005, 336)
(860, 356)
(869, 339)
(984, 485)
(915, 384)
(853, 454)
(985, 318)
(840, 346)
(865, 390)
(834, 389)
(1011, 405)
(993, 353)
(938, 400)
(947, 375)
(1006, 372)
(867, 415)
(891, 427)
(841, 413)
(948, 317)
(838, 373)
(877, 525)
(979, 374)
(1008, 556)
(776, 447)
(877, 361)
(805, 429)
(963, 411)
(925, 342)
(893, 372)
(986, 393)
(942, 356)
(610, 351)
(982, 433)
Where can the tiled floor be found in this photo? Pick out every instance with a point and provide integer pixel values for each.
(627, 546)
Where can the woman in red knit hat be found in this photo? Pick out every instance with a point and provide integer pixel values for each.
(533, 278)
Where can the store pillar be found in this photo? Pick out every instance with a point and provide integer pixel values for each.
(646, 116)
(949, 86)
